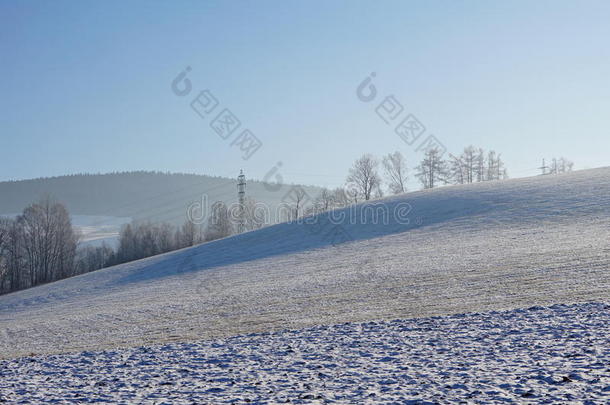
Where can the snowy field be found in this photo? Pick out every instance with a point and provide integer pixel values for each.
(96, 229)
(487, 246)
(557, 354)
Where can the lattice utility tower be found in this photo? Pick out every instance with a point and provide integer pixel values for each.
(544, 167)
(241, 195)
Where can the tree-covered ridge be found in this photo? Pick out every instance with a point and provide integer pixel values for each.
(143, 195)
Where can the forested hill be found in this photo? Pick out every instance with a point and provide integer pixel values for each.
(140, 195)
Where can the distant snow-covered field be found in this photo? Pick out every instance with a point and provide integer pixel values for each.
(557, 354)
(96, 230)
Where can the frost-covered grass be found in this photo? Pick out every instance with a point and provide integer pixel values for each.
(473, 248)
(557, 354)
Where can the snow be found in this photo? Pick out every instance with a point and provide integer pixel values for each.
(489, 246)
(97, 229)
(94, 230)
(556, 354)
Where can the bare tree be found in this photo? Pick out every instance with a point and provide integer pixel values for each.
(127, 244)
(466, 167)
(187, 235)
(491, 165)
(49, 241)
(294, 205)
(324, 201)
(165, 237)
(469, 156)
(14, 257)
(363, 176)
(378, 191)
(433, 169)
(495, 167)
(219, 224)
(340, 198)
(457, 170)
(395, 168)
(561, 165)
(5, 225)
(299, 200)
(565, 165)
(481, 162)
(90, 258)
(255, 214)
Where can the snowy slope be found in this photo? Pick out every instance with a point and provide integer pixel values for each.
(485, 246)
(557, 354)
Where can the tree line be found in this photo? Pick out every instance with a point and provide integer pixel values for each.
(365, 180)
(141, 239)
(41, 245)
(368, 175)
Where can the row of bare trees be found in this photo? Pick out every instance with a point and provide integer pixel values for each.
(40, 245)
(368, 175)
(139, 240)
(471, 166)
(223, 220)
(36, 247)
(364, 180)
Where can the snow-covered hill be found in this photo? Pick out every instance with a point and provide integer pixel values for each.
(496, 245)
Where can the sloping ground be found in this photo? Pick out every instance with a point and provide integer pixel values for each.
(538, 355)
(460, 249)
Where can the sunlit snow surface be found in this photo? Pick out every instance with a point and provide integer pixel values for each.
(557, 354)
(487, 246)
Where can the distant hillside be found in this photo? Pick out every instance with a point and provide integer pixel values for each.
(151, 196)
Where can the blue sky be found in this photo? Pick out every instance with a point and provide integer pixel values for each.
(86, 86)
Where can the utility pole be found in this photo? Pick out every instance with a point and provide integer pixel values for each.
(241, 195)
(543, 167)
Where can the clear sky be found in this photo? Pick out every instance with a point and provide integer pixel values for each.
(86, 85)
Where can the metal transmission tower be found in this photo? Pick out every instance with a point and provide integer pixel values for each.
(544, 167)
(241, 195)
